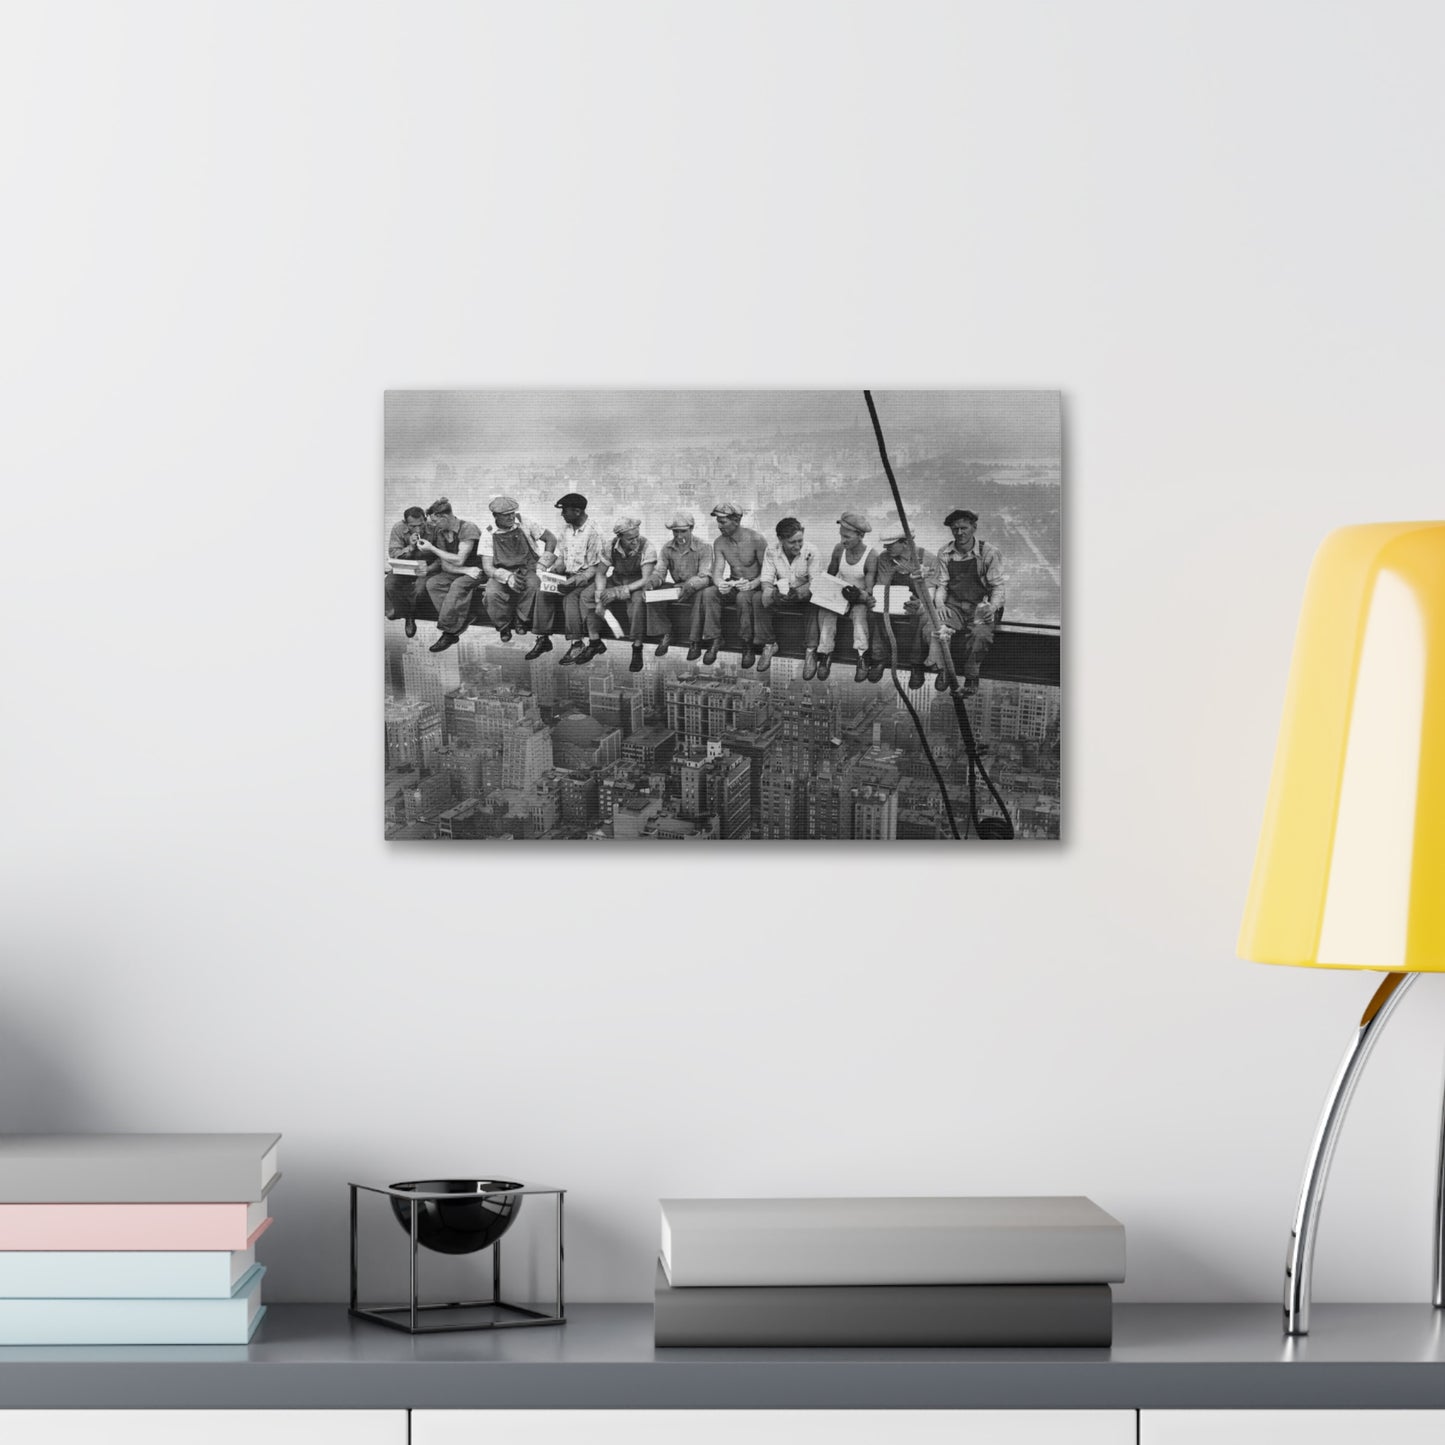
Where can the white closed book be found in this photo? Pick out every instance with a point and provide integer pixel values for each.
(663, 594)
(1054, 1239)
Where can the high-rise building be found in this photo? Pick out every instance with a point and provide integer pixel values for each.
(483, 718)
(615, 707)
(830, 799)
(405, 721)
(578, 794)
(875, 813)
(810, 721)
(879, 764)
(692, 775)
(756, 747)
(466, 766)
(428, 676)
(730, 794)
(783, 805)
(1017, 711)
(526, 753)
(654, 746)
(701, 709)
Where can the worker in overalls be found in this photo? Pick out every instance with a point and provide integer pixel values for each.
(969, 598)
(631, 560)
(515, 547)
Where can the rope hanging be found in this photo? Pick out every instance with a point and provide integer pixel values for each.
(989, 826)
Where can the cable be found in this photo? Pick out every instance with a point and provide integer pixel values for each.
(913, 713)
(985, 827)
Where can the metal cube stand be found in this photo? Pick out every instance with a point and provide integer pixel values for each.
(415, 1318)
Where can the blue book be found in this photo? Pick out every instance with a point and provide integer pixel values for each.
(230, 1321)
(123, 1273)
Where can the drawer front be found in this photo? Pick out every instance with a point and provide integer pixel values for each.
(1291, 1427)
(774, 1427)
(203, 1427)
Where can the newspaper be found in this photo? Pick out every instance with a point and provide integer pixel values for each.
(828, 592)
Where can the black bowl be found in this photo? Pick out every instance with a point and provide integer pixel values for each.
(463, 1223)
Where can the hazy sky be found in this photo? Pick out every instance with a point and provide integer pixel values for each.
(424, 424)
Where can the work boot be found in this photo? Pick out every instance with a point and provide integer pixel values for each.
(694, 651)
(748, 655)
(541, 645)
(411, 626)
(825, 665)
(876, 669)
(595, 648)
(446, 640)
(573, 653)
(860, 672)
(970, 686)
(504, 634)
(636, 664)
(663, 645)
(710, 656)
(765, 660)
(916, 675)
(520, 630)
(940, 683)
(810, 665)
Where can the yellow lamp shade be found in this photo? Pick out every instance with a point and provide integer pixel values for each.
(1350, 871)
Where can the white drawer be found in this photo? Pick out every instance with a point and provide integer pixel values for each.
(1291, 1427)
(202, 1427)
(773, 1427)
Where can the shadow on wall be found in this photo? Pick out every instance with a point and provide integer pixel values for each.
(38, 1094)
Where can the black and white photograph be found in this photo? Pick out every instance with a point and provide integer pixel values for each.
(722, 615)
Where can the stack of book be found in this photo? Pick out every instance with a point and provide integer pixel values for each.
(887, 1272)
(132, 1239)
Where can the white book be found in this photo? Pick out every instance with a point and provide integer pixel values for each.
(229, 1321)
(1007, 1240)
(137, 1168)
(122, 1274)
(663, 594)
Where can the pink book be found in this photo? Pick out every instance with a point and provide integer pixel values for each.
(132, 1226)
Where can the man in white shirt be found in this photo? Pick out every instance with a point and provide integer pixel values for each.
(789, 565)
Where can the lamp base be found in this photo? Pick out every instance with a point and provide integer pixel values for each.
(1299, 1264)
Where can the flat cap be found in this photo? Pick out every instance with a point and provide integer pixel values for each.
(960, 514)
(627, 524)
(857, 521)
(498, 505)
(727, 509)
(893, 534)
(681, 519)
(573, 499)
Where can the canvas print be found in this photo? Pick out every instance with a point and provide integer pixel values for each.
(710, 615)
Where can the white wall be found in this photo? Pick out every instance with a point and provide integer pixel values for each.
(1216, 226)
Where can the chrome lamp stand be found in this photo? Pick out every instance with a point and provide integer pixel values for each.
(1299, 1266)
